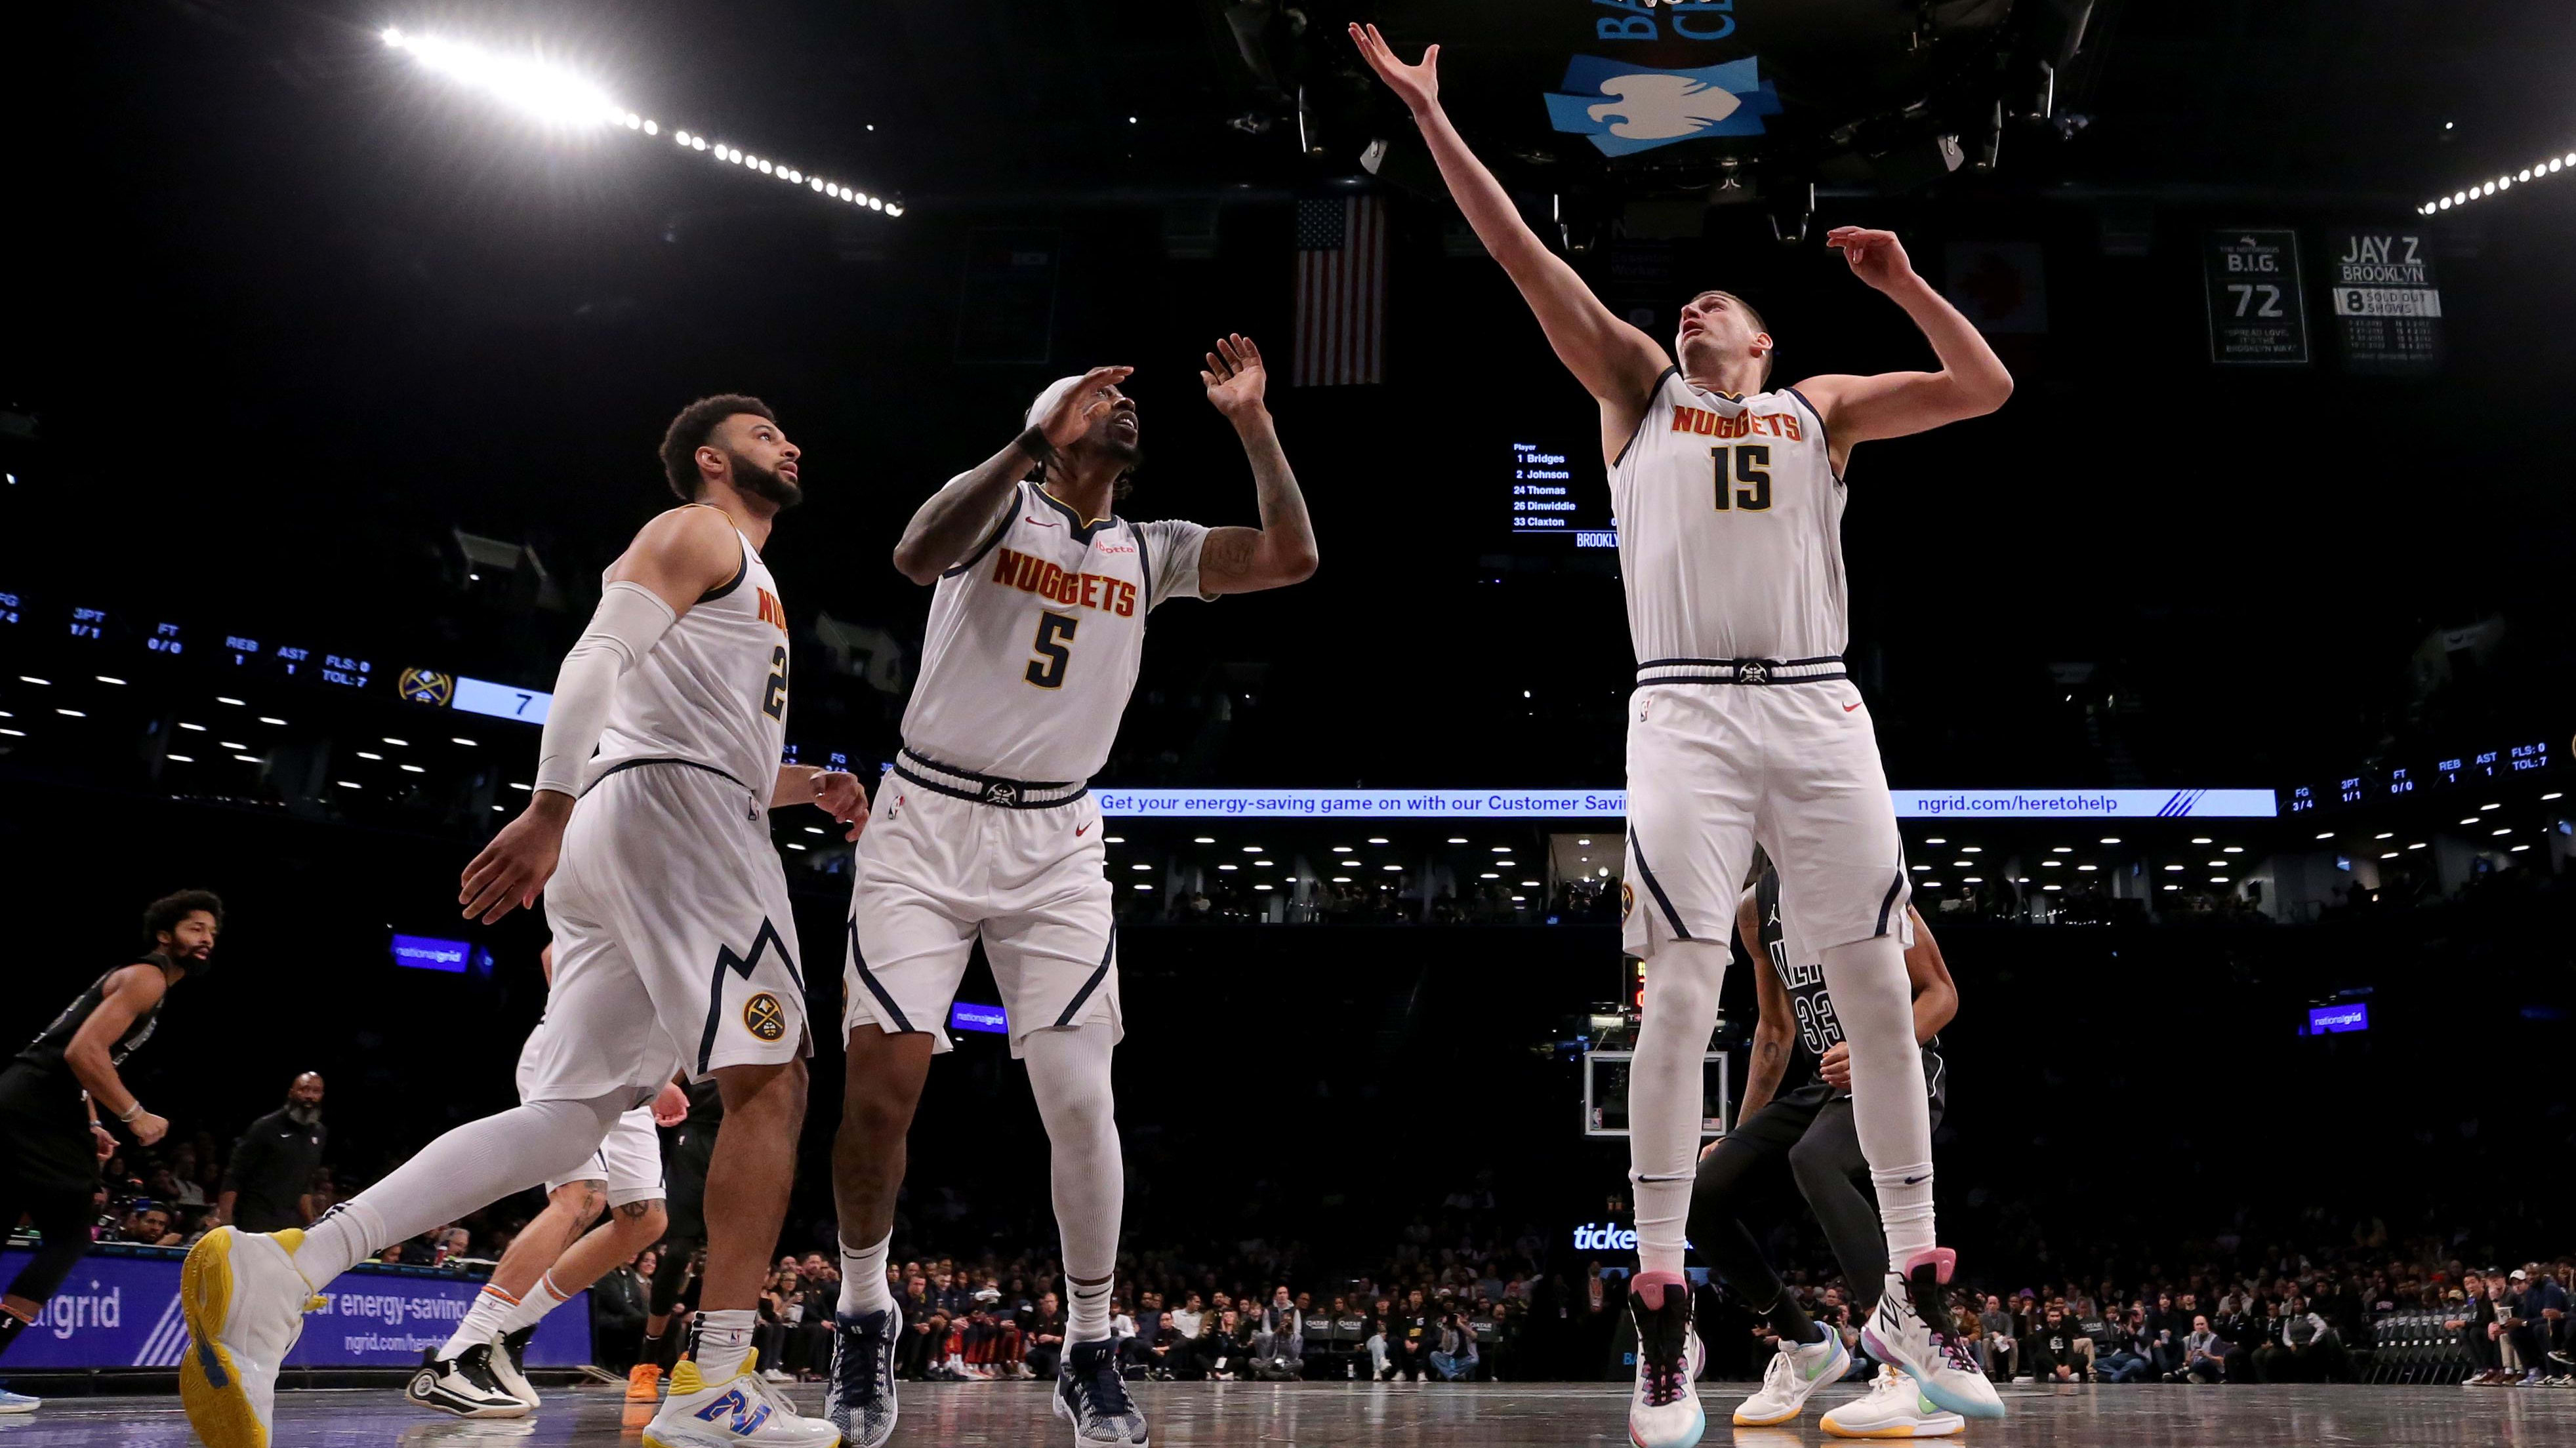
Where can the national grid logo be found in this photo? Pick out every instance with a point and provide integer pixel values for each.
(1627, 108)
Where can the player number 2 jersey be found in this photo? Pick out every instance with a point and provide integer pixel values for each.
(713, 691)
(1034, 640)
(1730, 528)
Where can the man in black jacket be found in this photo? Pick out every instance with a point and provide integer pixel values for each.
(273, 1162)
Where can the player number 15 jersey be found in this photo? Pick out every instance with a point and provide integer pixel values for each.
(1035, 639)
(1730, 528)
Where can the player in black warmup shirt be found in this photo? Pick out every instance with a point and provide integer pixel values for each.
(684, 1178)
(1798, 1107)
(51, 1140)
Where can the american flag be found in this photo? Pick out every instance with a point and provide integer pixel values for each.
(1341, 292)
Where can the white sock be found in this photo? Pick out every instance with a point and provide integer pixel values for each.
(863, 1278)
(1890, 1112)
(541, 1299)
(347, 1235)
(723, 1342)
(1069, 1076)
(461, 1172)
(1667, 1091)
(482, 1321)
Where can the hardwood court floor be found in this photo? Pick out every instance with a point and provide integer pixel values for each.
(1487, 1415)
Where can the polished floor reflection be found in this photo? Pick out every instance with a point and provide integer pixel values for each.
(1494, 1415)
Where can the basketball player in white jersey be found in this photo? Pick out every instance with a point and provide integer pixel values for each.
(479, 1371)
(1729, 497)
(674, 951)
(985, 827)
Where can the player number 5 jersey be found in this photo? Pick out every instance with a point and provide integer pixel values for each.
(1730, 528)
(713, 691)
(1034, 640)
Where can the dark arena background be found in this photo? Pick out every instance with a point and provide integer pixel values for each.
(2223, 675)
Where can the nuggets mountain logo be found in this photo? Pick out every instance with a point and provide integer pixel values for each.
(762, 1017)
(1626, 108)
(1627, 901)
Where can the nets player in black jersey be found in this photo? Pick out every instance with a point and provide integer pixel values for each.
(51, 1139)
(1797, 1109)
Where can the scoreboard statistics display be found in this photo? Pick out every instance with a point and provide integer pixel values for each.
(2458, 771)
(1549, 501)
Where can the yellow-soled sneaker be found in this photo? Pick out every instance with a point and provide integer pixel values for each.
(1894, 1407)
(244, 1301)
(740, 1410)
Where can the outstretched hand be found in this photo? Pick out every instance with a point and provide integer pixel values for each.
(1876, 257)
(1418, 86)
(1234, 377)
(1067, 421)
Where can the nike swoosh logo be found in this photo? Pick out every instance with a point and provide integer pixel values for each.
(1078, 829)
(1916, 1181)
(1043, 522)
(1847, 708)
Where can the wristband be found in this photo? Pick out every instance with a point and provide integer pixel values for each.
(1034, 443)
(128, 1116)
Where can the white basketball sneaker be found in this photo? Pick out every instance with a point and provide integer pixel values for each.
(1911, 1330)
(740, 1410)
(1797, 1369)
(1894, 1407)
(244, 1301)
(509, 1365)
(1663, 1408)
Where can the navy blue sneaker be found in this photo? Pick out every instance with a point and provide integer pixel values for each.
(1091, 1396)
(860, 1401)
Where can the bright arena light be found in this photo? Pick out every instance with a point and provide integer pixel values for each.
(2537, 171)
(563, 98)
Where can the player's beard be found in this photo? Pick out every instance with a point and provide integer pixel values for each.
(764, 483)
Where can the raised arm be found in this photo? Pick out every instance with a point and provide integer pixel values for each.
(1614, 361)
(946, 527)
(1282, 550)
(1971, 383)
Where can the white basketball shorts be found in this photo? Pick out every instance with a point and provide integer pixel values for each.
(934, 872)
(1714, 767)
(674, 946)
(629, 1159)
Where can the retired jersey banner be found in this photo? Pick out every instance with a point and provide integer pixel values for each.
(1579, 804)
(120, 1309)
(2386, 303)
(2257, 314)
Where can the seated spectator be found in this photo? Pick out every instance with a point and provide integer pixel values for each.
(1150, 1349)
(2306, 1351)
(2001, 1347)
(2474, 1320)
(1454, 1359)
(1374, 1326)
(2204, 1354)
(2123, 1349)
(147, 1226)
(1046, 1338)
(2048, 1355)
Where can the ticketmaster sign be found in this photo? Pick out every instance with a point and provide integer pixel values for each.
(1576, 804)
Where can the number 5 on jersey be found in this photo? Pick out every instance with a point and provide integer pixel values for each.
(1055, 631)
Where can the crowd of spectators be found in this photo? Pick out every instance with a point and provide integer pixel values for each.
(2293, 1321)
